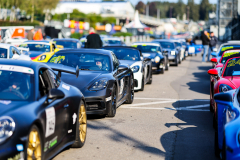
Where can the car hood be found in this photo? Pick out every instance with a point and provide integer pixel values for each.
(84, 79)
(149, 54)
(235, 80)
(34, 53)
(8, 105)
(167, 49)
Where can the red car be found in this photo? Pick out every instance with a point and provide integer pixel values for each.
(224, 79)
(218, 65)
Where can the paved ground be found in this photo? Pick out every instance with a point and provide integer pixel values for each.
(169, 120)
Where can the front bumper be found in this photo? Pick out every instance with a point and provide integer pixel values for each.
(138, 80)
(172, 58)
(97, 101)
(158, 66)
(13, 148)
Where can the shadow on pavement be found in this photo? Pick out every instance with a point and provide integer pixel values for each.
(121, 137)
(202, 81)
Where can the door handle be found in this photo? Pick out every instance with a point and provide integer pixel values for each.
(66, 105)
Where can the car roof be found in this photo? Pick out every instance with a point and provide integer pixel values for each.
(85, 50)
(134, 48)
(111, 38)
(147, 43)
(37, 42)
(163, 40)
(23, 63)
(5, 45)
(65, 39)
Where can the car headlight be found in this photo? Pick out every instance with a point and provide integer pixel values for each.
(7, 127)
(135, 69)
(99, 85)
(231, 115)
(157, 59)
(173, 53)
(42, 58)
(224, 88)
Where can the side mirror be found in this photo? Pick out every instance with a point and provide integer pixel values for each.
(146, 59)
(214, 60)
(122, 68)
(214, 54)
(213, 72)
(55, 94)
(214, 49)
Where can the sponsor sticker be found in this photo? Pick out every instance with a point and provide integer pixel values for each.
(66, 87)
(16, 69)
(5, 102)
(226, 48)
(50, 121)
(108, 99)
(50, 144)
(19, 156)
(74, 118)
(232, 63)
(227, 54)
(121, 86)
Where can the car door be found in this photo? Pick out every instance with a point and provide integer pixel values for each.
(121, 79)
(56, 112)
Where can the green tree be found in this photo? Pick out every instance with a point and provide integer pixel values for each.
(179, 8)
(204, 8)
(193, 10)
(141, 7)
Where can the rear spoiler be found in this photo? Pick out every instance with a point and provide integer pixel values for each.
(62, 68)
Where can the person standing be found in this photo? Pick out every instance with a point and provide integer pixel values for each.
(205, 43)
(93, 40)
(213, 41)
(30, 34)
(38, 35)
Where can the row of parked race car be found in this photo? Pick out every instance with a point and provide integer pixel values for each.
(225, 99)
(44, 106)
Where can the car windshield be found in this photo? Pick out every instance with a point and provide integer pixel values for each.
(36, 47)
(85, 61)
(167, 45)
(67, 44)
(178, 44)
(16, 85)
(232, 67)
(125, 53)
(229, 54)
(226, 48)
(3, 53)
(109, 41)
(147, 48)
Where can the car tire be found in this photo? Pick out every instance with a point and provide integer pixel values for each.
(162, 71)
(176, 61)
(211, 107)
(179, 61)
(150, 79)
(216, 148)
(224, 156)
(36, 146)
(81, 126)
(130, 96)
(167, 66)
(112, 106)
(142, 87)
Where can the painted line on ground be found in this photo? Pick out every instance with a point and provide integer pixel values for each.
(149, 103)
(173, 109)
(169, 99)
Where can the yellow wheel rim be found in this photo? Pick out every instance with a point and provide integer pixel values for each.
(34, 146)
(82, 123)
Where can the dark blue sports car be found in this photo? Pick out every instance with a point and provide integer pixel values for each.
(39, 114)
(104, 83)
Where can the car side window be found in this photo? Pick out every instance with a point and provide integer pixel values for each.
(53, 47)
(54, 79)
(44, 83)
(16, 51)
(115, 61)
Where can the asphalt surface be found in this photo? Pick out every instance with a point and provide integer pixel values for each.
(169, 120)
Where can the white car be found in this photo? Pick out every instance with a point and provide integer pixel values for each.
(141, 67)
(16, 41)
(9, 51)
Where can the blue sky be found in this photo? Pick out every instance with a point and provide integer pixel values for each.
(134, 2)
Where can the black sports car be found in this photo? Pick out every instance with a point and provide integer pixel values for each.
(104, 83)
(154, 51)
(170, 47)
(141, 67)
(39, 115)
(69, 43)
